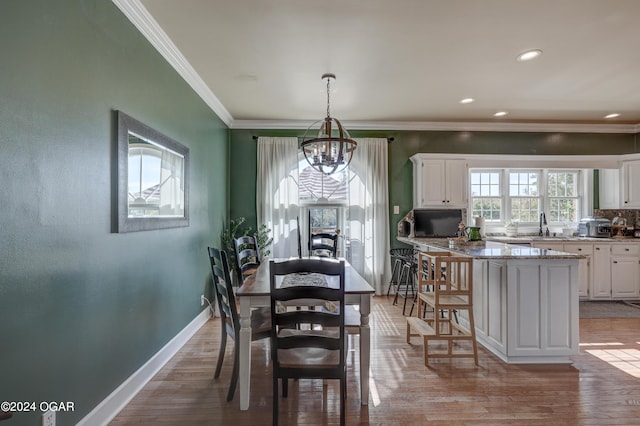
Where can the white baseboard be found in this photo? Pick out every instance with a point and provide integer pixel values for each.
(104, 412)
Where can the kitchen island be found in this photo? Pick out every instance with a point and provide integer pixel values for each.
(525, 299)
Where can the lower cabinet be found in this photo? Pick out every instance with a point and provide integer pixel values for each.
(625, 271)
(584, 265)
(611, 270)
(601, 278)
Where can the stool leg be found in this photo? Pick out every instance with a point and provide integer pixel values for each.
(394, 274)
(395, 299)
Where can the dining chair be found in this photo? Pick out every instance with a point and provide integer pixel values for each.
(230, 321)
(298, 350)
(247, 256)
(323, 244)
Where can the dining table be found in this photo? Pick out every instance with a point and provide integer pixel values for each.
(255, 292)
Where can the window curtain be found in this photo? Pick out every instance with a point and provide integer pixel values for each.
(368, 212)
(277, 192)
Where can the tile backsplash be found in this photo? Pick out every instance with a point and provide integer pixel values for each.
(631, 215)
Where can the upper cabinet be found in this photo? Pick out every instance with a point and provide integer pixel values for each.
(609, 188)
(631, 184)
(439, 182)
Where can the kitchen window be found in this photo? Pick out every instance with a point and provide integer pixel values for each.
(526, 194)
(486, 195)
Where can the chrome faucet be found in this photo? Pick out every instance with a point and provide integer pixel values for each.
(543, 220)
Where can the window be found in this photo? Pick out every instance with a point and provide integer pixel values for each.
(562, 192)
(486, 195)
(324, 219)
(525, 195)
(324, 199)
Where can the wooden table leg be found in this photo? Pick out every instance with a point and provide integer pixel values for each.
(365, 347)
(245, 352)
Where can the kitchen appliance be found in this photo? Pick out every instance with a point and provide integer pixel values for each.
(436, 222)
(598, 227)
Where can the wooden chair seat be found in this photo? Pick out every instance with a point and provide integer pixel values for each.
(308, 357)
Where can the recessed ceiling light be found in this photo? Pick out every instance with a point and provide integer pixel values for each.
(529, 54)
(500, 114)
(614, 115)
(467, 100)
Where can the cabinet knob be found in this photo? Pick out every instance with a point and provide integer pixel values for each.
(626, 249)
(626, 202)
(444, 201)
(579, 249)
(615, 261)
(597, 248)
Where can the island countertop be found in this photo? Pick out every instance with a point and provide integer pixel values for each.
(491, 249)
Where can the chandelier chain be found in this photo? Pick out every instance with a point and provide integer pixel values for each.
(328, 96)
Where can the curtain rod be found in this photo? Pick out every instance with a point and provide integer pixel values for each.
(389, 140)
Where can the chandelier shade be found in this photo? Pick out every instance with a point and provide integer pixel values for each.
(327, 145)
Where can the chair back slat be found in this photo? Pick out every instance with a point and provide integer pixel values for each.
(247, 256)
(224, 289)
(323, 244)
(304, 316)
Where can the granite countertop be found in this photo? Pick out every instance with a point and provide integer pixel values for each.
(492, 250)
(560, 238)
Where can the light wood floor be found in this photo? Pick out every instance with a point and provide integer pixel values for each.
(601, 387)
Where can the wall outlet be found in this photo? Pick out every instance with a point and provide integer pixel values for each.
(49, 418)
(396, 209)
(202, 300)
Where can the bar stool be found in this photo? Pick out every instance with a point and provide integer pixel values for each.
(398, 258)
(407, 279)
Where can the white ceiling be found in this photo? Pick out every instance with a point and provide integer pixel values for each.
(403, 62)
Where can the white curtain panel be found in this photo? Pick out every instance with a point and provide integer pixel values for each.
(368, 216)
(277, 192)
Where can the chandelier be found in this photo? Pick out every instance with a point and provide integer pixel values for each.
(329, 148)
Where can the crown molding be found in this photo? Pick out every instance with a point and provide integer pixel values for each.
(446, 126)
(144, 22)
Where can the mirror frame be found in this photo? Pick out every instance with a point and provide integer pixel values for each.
(125, 125)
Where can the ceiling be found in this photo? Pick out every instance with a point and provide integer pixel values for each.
(404, 63)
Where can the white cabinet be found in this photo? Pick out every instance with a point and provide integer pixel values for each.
(584, 265)
(631, 184)
(601, 278)
(625, 271)
(439, 183)
(609, 188)
(611, 270)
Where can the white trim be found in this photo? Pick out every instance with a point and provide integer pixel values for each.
(104, 412)
(142, 19)
(533, 161)
(445, 126)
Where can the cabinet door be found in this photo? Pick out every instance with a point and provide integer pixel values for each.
(433, 183)
(601, 280)
(609, 188)
(456, 183)
(625, 273)
(631, 180)
(584, 266)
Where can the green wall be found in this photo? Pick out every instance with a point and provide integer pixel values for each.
(408, 143)
(82, 308)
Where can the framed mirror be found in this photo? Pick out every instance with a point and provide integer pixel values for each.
(153, 184)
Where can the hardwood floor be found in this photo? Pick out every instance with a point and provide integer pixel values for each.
(602, 387)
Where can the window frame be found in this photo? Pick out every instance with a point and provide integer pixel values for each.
(543, 190)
